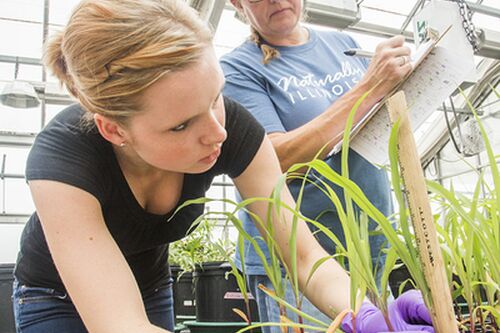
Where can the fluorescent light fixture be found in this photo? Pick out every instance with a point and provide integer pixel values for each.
(19, 94)
(490, 43)
(333, 13)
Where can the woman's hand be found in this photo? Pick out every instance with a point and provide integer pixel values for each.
(390, 64)
(407, 313)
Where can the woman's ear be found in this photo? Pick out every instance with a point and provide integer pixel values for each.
(240, 13)
(237, 5)
(110, 129)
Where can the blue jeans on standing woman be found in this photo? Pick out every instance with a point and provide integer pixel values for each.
(269, 311)
(47, 310)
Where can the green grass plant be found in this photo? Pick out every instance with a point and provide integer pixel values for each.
(468, 228)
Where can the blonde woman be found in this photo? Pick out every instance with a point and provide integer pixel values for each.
(150, 131)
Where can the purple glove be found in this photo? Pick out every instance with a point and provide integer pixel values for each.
(407, 313)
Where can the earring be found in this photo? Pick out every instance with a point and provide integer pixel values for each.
(123, 144)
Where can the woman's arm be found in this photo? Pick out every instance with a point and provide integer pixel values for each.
(383, 74)
(92, 267)
(329, 287)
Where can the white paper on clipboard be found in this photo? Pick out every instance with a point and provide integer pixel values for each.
(430, 84)
(437, 72)
(416, 59)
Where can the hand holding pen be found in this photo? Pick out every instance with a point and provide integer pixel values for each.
(389, 64)
(368, 54)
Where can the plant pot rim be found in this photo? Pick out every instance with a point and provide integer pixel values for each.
(216, 323)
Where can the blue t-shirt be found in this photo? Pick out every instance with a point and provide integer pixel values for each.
(289, 92)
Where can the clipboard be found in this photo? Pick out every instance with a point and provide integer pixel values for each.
(432, 39)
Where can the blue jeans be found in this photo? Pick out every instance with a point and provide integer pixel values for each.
(48, 310)
(269, 308)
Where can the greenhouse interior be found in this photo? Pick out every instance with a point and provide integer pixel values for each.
(453, 98)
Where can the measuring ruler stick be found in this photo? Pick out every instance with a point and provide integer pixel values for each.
(443, 316)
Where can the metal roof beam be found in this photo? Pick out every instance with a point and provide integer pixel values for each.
(16, 139)
(6, 218)
(20, 60)
(412, 13)
(482, 9)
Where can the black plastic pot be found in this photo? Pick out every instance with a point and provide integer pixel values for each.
(490, 328)
(216, 296)
(183, 288)
(460, 300)
(399, 276)
(6, 312)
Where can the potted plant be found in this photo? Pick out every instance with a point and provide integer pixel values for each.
(204, 262)
(183, 257)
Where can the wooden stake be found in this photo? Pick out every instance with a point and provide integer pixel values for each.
(443, 316)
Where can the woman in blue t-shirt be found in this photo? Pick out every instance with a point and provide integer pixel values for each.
(301, 87)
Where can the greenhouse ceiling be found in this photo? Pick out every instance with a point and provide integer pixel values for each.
(26, 23)
(369, 21)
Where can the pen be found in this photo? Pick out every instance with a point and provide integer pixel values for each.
(358, 53)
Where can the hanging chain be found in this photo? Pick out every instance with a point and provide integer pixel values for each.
(16, 68)
(470, 30)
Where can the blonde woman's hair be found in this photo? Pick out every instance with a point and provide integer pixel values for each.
(111, 50)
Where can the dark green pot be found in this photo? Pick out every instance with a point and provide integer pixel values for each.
(214, 327)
